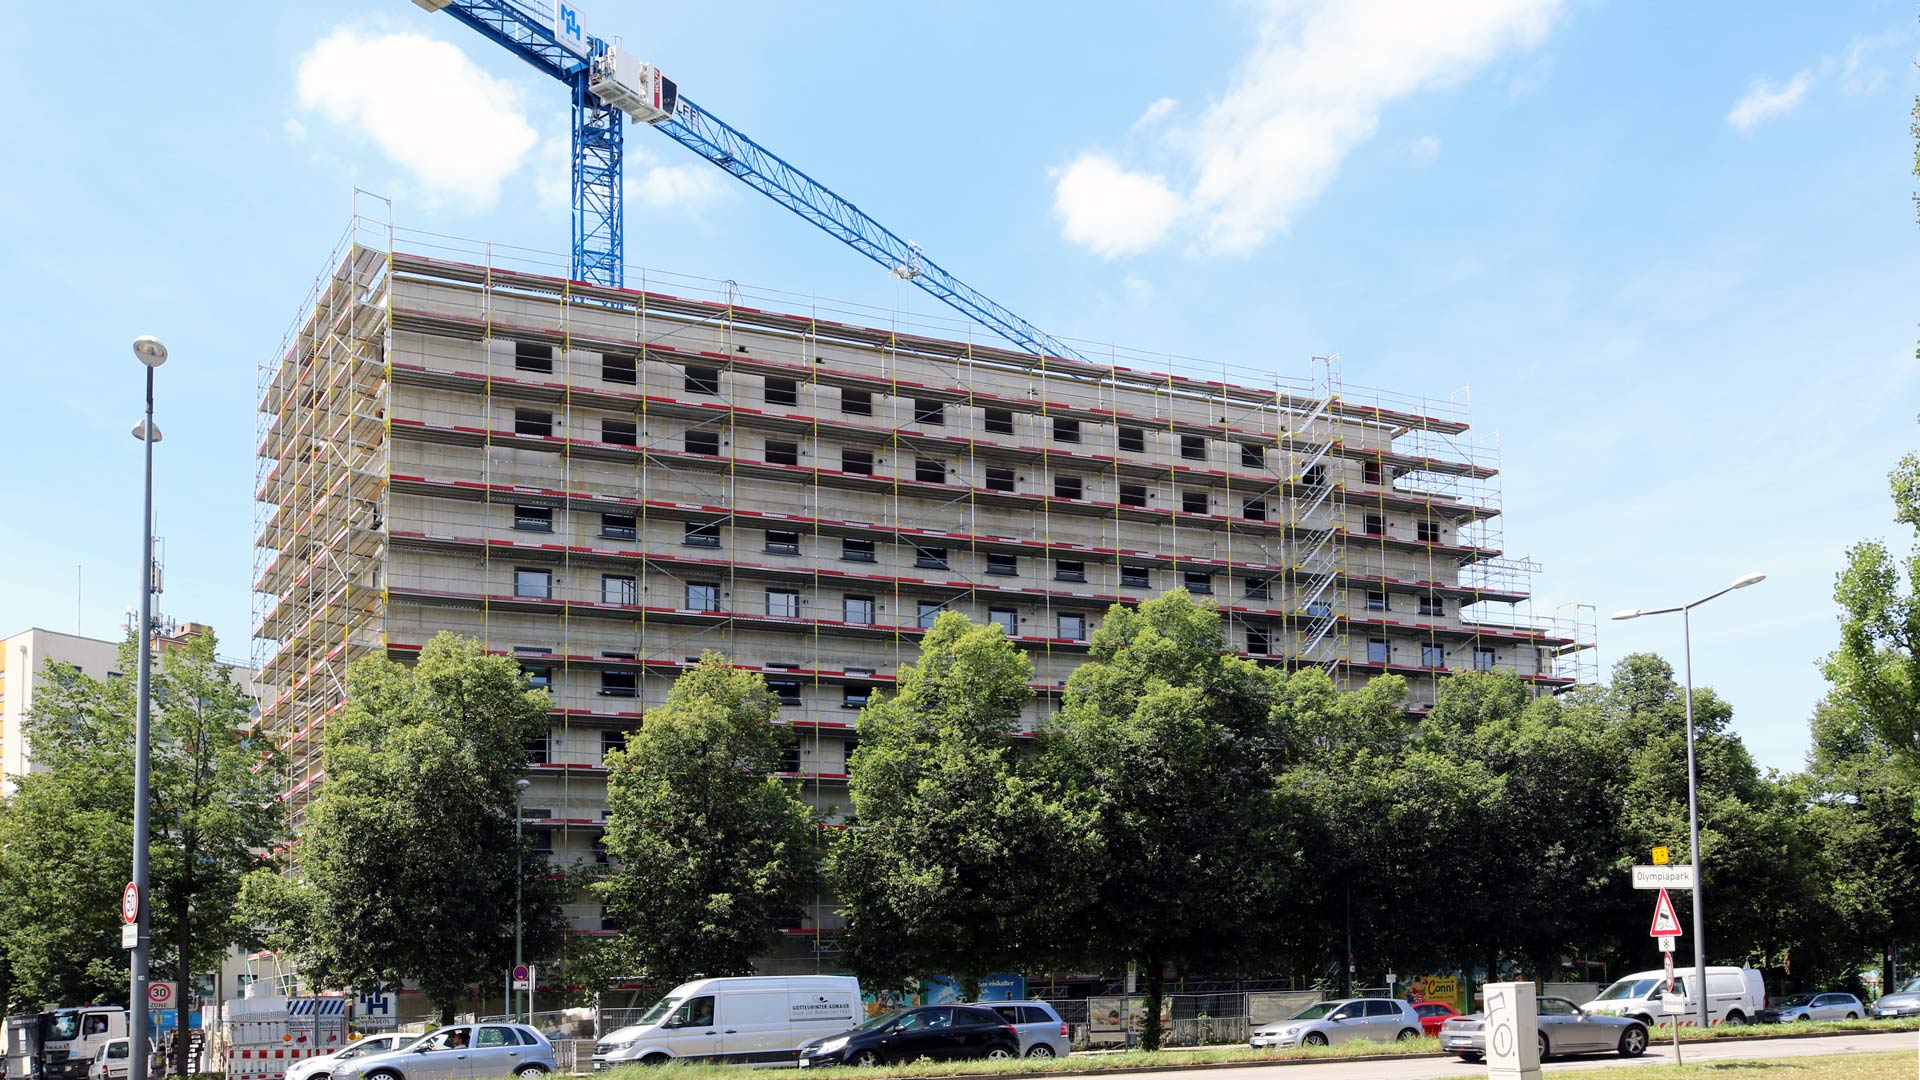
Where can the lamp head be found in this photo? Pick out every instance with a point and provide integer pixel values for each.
(1630, 613)
(1745, 580)
(149, 350)
(140, 431)
(521, 784)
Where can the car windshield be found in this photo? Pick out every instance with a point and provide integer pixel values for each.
(880, 1021)
(65, 1026)
(1912, 987)
(659, 1011)
(1628, 988)
(1315, 1011)
(1795, 999)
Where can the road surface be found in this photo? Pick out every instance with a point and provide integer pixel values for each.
(1659, 1054)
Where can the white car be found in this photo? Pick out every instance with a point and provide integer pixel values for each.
(317, 1067)
(1734, 996)
(1329, 1022)
(751, 1020)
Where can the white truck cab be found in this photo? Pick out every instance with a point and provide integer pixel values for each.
(1734, 996)
(741, 1020)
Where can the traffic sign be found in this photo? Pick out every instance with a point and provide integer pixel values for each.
(1669, 966)
(1660, 856)
(522, 977)
(1663, 877)
(130, 903)
(129, 935)
(1665, 922)
(162, 995)
(1666, 946)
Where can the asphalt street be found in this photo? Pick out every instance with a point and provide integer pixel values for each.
(1659, 1054)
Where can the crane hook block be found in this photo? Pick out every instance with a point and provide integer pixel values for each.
(633, 86)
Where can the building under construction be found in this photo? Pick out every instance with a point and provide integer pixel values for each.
(605, 483)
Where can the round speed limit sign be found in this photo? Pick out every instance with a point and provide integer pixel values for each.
(160, 994)
(130, 903)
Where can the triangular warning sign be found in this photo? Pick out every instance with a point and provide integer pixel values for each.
(1665, 923)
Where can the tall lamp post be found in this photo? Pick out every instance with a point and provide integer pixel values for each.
(519, 883)
(151, 354)
(1693, 782)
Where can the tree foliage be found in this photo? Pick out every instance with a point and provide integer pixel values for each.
(712, 855)
(66, 833)
(1169, 745)
(408, 861)
(958, 859)
(1876, 669)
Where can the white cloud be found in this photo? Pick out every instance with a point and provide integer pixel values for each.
(1858, 73)
(1111, 210)
(456, 129)
(1764, 101)
(1155, 113)
(1310, 90)
(674, 187)
(1424, 149)
(293, 129)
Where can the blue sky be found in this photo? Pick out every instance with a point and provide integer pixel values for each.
(1670, 248)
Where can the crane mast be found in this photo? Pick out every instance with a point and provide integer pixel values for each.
(608, 84)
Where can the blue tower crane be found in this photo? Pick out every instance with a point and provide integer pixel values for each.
(609, 83)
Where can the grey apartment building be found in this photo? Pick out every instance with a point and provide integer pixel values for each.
(604, 483)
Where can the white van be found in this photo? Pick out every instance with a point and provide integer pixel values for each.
(1734, 996)
(745, 1020)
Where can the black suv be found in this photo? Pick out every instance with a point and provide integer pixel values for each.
(939, 1032)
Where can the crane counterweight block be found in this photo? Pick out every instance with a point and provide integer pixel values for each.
(632, 85)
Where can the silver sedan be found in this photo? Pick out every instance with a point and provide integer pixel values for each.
(1565, 1028)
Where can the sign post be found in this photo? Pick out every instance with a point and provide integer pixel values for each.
(1666, 930)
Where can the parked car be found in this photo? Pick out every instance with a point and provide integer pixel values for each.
(1902, 1002)
(1735, 995)
(748, 1019)
(1042, 1033)
(1812, 1007)
(110, 1062)
(322, 1065)
(1328, 1022)
(939, 1032)
(1565, 1028)
(459, 1052)
(1432, 1015)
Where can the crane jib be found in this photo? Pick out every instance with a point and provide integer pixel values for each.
(609, 82)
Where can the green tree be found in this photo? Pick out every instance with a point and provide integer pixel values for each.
(1876, 669)
(1646, 707)
(408, 861)
(958, 860)
(1171, 745)
(1864, 809)
(712, 855)
(66, 833)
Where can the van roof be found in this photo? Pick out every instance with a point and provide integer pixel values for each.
(792, 983)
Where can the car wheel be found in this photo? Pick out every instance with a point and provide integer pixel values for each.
(1471, 1059)
(530, 1072)
(1633, 1041)
(1408, 1034)
(1541, 1037)
(1735, 1018)
(1040, 1050)
(1802, 1016)
(1853, 1016)
(383, 1075)
(866, 1059)
(1314, 1038)
(655, 1059)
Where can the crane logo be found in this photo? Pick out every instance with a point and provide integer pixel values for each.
(568, 27)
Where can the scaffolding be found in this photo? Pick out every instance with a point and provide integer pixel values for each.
(604, 483)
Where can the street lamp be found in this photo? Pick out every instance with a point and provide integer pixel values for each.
(151, 354)
(519, 880)
(1693, 781)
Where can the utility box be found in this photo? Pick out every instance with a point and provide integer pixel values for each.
(633, 86)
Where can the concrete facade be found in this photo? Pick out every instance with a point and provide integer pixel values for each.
(604, 484)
